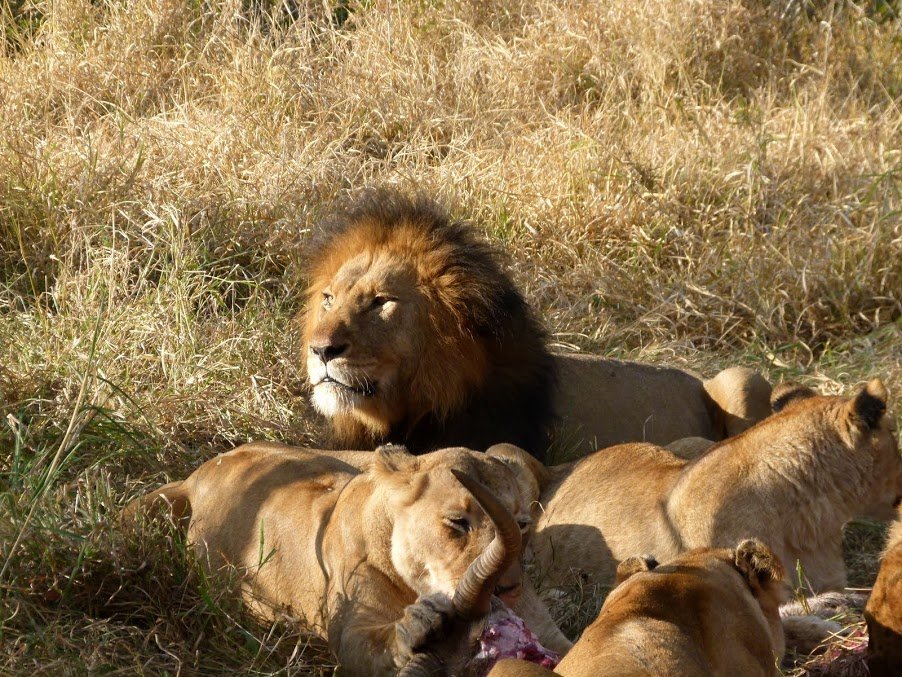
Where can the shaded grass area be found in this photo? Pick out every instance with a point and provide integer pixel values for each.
(82, 592)
(696, 184)
(119, 600)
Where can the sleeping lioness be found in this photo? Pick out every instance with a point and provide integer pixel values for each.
(705, 612)
(793, 479)
(369, 551)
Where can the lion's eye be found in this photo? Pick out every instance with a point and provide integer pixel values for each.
(381, 300)
(327, 299)
(461, 524)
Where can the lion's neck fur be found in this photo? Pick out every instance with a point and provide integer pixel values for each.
(350, 432)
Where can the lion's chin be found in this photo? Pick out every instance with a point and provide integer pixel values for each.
(510, 595)
(331, 399)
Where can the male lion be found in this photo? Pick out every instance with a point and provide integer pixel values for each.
(415, 334)
(374, 559)
(884, 609)
(793, 479)
(705, 612)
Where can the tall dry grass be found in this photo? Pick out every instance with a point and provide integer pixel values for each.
(689, 182)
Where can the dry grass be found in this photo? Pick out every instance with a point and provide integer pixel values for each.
(694, 183)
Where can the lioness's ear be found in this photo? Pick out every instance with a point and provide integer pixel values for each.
(785, 393)
(633, 565)
(392, 458)
(869, 405)
(530, 473)
(758, 563)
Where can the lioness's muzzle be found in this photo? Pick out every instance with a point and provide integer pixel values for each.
(473, 596)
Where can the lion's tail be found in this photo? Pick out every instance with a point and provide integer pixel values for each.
(171, 501)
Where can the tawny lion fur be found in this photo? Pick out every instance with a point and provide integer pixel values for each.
(884, 610)
(794, 480)
(705, 612)
(415, 334)
(348, 551)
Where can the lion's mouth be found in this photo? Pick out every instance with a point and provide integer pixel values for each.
(508, 592)
(366, 389)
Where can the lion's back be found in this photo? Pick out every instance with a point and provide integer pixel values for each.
(606, 402)
(604, 508)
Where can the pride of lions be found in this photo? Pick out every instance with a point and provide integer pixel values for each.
(410, 559)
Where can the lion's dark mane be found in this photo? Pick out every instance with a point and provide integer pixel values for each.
(514, 403)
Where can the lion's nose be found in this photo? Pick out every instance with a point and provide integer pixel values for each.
(329, 351)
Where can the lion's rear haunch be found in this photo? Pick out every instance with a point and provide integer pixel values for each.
(415, 334)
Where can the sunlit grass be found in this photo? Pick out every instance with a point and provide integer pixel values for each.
(697, 184)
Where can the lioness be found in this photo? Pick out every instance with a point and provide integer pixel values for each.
(705, 612)
(794, 479)
(369, 559)
(884, 609)
(414, 333)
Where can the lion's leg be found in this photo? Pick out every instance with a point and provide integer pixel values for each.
(819, 569)
(362, 617)
(532, 610)
(741, 397)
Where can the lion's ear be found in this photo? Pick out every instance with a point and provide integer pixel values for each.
(758, 563)
(391, 458)
(531, 474)
(785, 393)
(633, 565)
(869, 405)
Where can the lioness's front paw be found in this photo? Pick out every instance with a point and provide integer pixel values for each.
(424, 622)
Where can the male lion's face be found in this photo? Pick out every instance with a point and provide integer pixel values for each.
(360, 337)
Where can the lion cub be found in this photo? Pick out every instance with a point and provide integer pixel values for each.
(794, 479)
(705, 612)
(884, 609)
